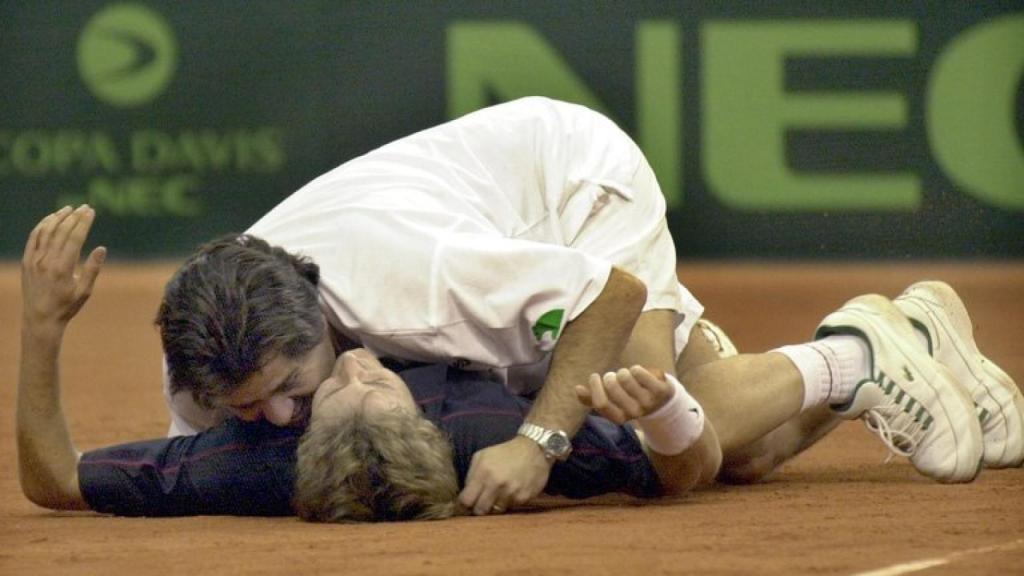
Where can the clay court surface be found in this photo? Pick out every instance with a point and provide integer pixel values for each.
(838, 509)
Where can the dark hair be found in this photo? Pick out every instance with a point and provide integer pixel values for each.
(235, 304)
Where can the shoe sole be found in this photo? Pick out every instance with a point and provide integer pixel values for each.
(936, 309)
(937, 389)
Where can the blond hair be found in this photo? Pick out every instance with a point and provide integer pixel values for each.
(386, 466)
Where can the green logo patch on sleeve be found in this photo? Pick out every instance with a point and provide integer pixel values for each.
(548, 327)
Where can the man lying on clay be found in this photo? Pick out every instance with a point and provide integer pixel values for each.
(248, 468)
(383, 445)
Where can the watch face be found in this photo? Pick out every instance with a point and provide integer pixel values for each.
(558, 444)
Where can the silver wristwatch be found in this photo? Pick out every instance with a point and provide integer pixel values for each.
(555, 444)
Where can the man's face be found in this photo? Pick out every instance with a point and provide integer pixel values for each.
(282, 390)
(361, 383)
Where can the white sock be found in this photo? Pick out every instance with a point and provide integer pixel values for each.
(831, 368)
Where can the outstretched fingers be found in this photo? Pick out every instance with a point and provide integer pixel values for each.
(45, 229)
(55, 281)
(91, 270)
(31, 246)
(72, 233)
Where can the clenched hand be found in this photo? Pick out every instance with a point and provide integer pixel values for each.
(504, 476)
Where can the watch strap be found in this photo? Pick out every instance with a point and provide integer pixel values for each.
(542, 437)
(534, 432)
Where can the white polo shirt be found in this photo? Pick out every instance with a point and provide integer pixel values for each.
(474, 242)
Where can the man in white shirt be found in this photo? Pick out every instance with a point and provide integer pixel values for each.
(909, 368)
(527, 239)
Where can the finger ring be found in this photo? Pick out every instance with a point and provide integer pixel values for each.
(497, 509)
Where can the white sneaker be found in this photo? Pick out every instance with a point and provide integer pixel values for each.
(718, 338)
(911, 401)
(935, 309)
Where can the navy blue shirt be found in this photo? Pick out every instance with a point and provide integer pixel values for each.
(247, 468)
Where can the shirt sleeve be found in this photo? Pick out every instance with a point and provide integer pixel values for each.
(242, 469)
(505, 302)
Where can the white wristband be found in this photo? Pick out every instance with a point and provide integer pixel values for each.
(675, 426)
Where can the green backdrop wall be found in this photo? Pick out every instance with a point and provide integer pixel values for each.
(800, 129)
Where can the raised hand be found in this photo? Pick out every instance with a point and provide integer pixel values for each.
(55, 283)
(54, 287)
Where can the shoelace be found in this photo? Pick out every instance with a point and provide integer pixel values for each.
(899, 431)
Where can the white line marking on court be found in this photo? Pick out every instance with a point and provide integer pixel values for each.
(908, 567)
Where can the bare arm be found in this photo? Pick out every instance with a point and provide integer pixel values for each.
(695, 467)
(47, 461)
(629, 394)
(593, 342)
(516, 471)
(54, 288)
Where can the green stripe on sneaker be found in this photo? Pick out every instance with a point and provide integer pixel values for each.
(983, 415)
(910, 406)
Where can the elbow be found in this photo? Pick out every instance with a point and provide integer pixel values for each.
(712, 465)
(698, 472)
(710, 457)
(630, 291)
(55, 500)
(680, 482)
(40, 496)
(53, 495)
(697, 467)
